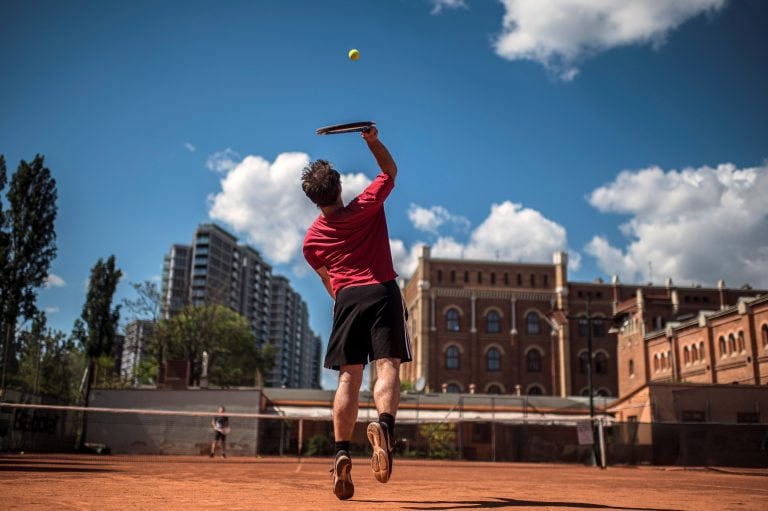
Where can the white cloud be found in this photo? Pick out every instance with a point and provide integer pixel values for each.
(695, 225)
(54, 280)
(189, 147)
(52, 310)
(265, 201)
(560, 34)
(510, 233)
(439, 5)
(430, 219)
(222, 161)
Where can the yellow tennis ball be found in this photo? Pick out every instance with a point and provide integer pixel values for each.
(354, 54)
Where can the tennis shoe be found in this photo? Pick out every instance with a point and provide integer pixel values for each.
(383, 447)
(342, 476)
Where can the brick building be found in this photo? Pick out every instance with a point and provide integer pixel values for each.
(508, 328)
(713, 343)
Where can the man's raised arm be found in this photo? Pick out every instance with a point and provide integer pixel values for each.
(383, 158)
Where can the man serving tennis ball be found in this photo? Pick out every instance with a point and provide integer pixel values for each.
(348, 246)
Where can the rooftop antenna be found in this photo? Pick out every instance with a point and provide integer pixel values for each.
(650, 273)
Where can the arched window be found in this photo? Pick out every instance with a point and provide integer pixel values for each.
(453, 388)
(493, 360)
(602, 393)
(583, 327)
(532, 323)
(533, 361)
(656, 362)
(631, 367)
(533, 280)
(452, 320)
(701, 351)
(583, 362)
(731, 344)
(694, 354)
(452, 357)
(598, 327)
(765, 336)
(535, 390)
(686, 355)
(740, 342)
(723, 348)
(601, 363)
(584, 391)
(492, 322)
(494, 389)
(439, 275)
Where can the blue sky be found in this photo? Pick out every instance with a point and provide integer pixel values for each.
(624, 132)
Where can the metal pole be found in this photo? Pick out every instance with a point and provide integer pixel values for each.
(301, 436)
(601, 435)
(589, 376)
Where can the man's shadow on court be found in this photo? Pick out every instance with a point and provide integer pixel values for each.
(500, 503)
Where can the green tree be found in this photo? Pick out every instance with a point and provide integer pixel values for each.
(27, 247)
(49, 362)
(97, 325)
(233, 358)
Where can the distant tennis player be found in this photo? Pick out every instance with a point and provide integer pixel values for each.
(220, 425)
(348, 246)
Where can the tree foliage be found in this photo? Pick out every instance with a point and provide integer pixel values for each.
(99, 318)
(50, 363)
(27, 247)
(233, 358)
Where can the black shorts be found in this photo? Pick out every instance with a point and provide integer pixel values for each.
(369, 323)
(220, 435)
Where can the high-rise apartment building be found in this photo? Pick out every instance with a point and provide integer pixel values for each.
(134, 347)
(217, 269)
(296, 363)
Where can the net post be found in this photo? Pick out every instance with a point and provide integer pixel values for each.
(601, 436)
(301, 437)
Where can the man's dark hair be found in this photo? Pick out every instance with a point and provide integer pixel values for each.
(321, 182)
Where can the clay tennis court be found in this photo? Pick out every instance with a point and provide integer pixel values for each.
(169, 483)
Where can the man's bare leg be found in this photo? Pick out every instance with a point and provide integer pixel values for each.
(346, 401)
(386, 395)
(345, 406)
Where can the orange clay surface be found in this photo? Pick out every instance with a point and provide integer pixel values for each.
(61, 482)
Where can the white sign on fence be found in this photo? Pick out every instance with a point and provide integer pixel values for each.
(584, 431)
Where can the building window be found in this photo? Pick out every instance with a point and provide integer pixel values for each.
(694, 416)
(601, 363)
(721, 344)
(519, 279)
(765, 336)
(452, 320)
(686, 356)
(479, 277)
(701, 351)
(466, 277)
(532, 322)
(583, 362)
(493, 279)
(740, 341)
(694, 354)
(494, 389)
(533, 361)
(731, 344)
(453, 276)
(533, 280)
(535, 390)
(453, 388)
(747, 417)
(546, 280)
(631, 367)
(506, 278)
(492, 323)
(493, 360)
(452, 358)
(583, 327)
(439, 275)
(598, 329)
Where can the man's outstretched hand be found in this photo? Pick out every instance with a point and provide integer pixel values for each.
(371, 135)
